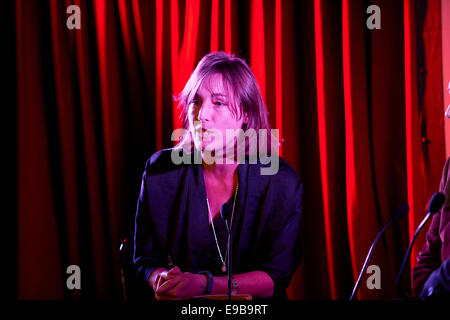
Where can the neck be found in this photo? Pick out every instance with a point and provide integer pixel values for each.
(221, 171)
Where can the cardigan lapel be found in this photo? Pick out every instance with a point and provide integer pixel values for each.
(253, 184)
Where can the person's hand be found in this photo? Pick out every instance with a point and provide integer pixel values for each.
(177, 285)
(156, 278)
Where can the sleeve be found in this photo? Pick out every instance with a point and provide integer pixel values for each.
(280, 250)
(438, 283)
(148, 253)
(429, 259)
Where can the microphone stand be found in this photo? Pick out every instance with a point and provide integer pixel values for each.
(369, 255)
(399, 213)
(408, 253)
(229, 260)
(434, 205)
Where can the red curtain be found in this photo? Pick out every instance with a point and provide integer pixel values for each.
(359, 113)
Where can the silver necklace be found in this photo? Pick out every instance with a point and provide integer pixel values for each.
(224, 268)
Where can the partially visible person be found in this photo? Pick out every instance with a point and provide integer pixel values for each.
(431, 275)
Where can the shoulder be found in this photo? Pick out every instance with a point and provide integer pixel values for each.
(284, 189)
(285, 177)
(161, 162)
(445, 181)
(446, 172)
(287, 171)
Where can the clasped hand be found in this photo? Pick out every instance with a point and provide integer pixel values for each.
(177, 285)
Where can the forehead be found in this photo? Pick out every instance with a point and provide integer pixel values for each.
(213, 84)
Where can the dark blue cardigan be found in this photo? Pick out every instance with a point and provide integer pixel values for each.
(172, 223)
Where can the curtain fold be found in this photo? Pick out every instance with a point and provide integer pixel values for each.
(38, 258)
(361, 202)
(359, 114)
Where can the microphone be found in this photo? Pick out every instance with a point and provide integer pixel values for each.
(225, 214)
(434, 205)
(401, 211)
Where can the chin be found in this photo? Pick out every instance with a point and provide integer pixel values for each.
(208, 147)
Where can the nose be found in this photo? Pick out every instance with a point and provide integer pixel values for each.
(204, 113)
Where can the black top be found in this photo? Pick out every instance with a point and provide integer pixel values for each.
(172, 221)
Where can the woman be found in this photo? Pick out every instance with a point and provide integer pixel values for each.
(180, 237)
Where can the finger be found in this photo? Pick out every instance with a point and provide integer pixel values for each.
(172, 273)
(159, 281)
(156, 282)
(167, 285)
(163, 274)
(167, 297)
(175, 270)
(179, 290)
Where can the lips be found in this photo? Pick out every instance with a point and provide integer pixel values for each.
(206, 135)
(204, 132)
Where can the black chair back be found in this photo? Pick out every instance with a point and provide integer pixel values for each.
(133, 288)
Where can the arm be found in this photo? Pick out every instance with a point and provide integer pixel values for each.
(277, 258)
(177, 285)
(438, 283)
(148, 254)
(280, 247)
(256, 283)
(429, 259)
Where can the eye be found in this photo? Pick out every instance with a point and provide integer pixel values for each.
(219, 103)
(194, 103)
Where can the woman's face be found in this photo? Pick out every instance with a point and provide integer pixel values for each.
(210, 115)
